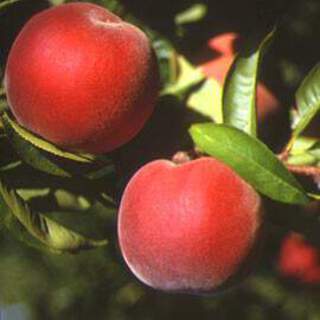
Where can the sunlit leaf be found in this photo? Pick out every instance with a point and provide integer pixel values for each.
(308, 101)
(189, 76)
(6, 3)
(303, 144)
(42, 144)
(206, 100)
(47, 231)
(44, 156)
(193, 14)
(239, 94)
(251, 159)
(57, 2)
(304, 151)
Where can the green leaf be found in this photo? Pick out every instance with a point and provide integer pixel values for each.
(303, 144)
(303, 159)
(206, 100)
(251, 159)
(304, 151)
(6, 3)
(31, 154)
(53, 235)
(189, 77)
(167, 59)
(44, 156)
(3, 105)
(39, 143)
(16, 228)
(193, 14)
(308, 101)
(115, 6)
(10, 166)
(239, 94)
(57, 2)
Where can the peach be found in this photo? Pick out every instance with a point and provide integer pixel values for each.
(82, 78)
(299, 260)
(189, 227)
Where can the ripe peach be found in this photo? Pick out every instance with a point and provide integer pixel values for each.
(299, 260)
(224, 44)
(82, 78)
(188, 227)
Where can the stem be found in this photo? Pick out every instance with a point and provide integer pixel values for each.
(181, 157)
(304, 170)
(283, 155)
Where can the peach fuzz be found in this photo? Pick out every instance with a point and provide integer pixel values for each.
(82, 78)
(190, 227)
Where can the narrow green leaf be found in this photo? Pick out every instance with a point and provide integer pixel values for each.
(308, 101)
(167, 59)
(17, 229)
(45, 157)
(10, 166)
(304, 151)
(303, 159)
(303, 144)
(14, 129)
(251, 159)
(189, 77)
(314, 196)
(192, 14)
(57, 2)
(6, 3)
(239, 94)
(3, 105)
(30, 154)
(55, 236)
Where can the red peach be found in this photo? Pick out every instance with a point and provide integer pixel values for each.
(224, 43)
(188, 227)
(82, 78)
(299, 260)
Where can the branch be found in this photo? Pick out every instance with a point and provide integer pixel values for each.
(304, 170)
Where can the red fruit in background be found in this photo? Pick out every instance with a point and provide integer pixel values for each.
(217, 65)
(188, 227)
(299, 260)
(224, 43)
(82, 78)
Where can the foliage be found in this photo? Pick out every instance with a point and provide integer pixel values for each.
(51, 197)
